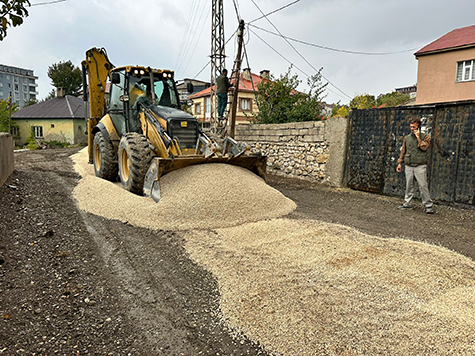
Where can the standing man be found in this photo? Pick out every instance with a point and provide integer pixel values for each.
(223, 85)
(415, 157)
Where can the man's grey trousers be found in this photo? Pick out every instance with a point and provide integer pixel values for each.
(419, 173)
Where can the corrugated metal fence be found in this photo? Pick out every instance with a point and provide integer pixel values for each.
(375, 140)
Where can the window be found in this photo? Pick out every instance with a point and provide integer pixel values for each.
(15, 131)
(245, 104)
(38, 130)
(465, 71)
(197, 109)
(208, 107)
(1, 84)
(52, 126)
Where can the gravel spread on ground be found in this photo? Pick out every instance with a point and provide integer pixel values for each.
(195, 197)
(304, 287)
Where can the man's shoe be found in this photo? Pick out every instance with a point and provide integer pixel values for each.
(429, 210)
(405, 207)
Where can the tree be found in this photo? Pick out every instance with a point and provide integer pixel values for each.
(5, 114)
(12, 13)
(342, 111)
(279, 101)
(66, 75)
(393, 99)
(363, 101)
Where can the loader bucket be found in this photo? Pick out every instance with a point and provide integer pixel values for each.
(161, 166)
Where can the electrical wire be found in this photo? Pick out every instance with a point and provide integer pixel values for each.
(292, 64)
(301, 56)
(197, 41)
(334, 49)
(48, 3)
(273, 12)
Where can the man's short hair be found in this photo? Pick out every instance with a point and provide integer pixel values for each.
(224, 71)
(416, 121)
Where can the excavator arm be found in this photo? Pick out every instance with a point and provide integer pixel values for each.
(95, 70)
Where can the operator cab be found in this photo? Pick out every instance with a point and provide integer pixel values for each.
(133, 85)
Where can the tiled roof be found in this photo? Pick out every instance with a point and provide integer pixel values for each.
(244, 86)
(459, 37)
(57, 108)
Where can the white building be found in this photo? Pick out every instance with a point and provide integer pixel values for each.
(21, 83)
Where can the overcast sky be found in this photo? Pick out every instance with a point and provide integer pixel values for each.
(176, 34)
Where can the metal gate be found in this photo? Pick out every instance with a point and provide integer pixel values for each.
(375, 141)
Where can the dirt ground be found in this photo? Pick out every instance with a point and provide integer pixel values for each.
(74, 283)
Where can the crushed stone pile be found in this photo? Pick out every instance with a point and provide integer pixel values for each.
(303, 287)
(195, 197)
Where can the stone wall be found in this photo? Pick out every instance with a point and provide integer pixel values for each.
(6, 156)
(314, 150)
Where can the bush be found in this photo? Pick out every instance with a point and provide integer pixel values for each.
(55, 143)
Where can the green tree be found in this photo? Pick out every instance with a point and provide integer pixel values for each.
(393, 99)
(279, 101)
(30, 102)
(342, 111)
(363, 101)
(66, 75)
(12, 13)
(5, 114)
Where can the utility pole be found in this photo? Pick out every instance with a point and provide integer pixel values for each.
(217, 54)
(10, 115)
(236, 72)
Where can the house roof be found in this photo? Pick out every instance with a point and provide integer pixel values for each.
(244, 86)
(57, 108)
(458, 38)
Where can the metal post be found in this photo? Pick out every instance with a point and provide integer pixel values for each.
(10, 115)
(217, 54)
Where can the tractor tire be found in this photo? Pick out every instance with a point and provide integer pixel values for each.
(104, 158)
(135, 156)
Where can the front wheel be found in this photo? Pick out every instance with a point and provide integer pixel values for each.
(135, 156)
(104, 158)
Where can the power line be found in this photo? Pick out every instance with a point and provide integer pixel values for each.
(202, 69)
(333, 49)
(301, 56)
(48, 3)
(273, 12)
(288, 61)
(197, 41)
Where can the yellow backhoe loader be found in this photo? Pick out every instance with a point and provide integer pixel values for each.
(141, 133)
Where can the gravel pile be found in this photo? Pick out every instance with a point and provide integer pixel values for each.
(196, 197)
(301, 287)
(304, 287)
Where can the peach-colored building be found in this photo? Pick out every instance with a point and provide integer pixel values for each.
(246, 105)
(446, 68)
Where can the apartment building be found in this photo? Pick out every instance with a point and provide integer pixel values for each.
(21, 83)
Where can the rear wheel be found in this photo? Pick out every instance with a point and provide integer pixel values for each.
(135, 156)
(104, 158)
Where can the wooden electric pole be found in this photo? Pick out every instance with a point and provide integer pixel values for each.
(236, 74)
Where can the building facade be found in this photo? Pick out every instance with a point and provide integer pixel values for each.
(446, 68)
(58, 119)
(21, 83)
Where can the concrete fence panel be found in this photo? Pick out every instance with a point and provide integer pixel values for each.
(6, 156)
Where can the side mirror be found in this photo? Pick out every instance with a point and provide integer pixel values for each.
(189, 87)
(115, 78)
